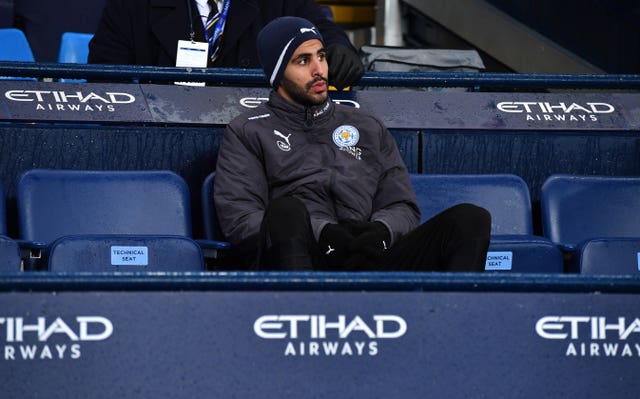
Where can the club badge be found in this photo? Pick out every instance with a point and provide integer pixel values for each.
(346, 136)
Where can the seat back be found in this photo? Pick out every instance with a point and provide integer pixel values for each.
(617, 256)
(56, 203)
(125, 253)
(577, 208)
(505, 196)
(15, 46)
(74, 47)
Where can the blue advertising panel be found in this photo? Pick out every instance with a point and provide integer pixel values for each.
(51, 101)
(293, 344)
(398, 108)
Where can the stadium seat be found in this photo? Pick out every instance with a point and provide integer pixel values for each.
(513, 245)
(595, 220)
(9, 249)
(108, 220)
(15, 47)
(74, 47)
(610, 256)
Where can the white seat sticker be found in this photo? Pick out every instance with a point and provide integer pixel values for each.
(129, 256)
(499, 260)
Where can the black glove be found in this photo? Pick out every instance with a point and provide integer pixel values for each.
(372, 242)
(345, 66)
(334, 243)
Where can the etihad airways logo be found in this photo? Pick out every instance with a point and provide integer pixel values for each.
(59, 100)
(322, 335)
(43, 339)
(253, 102)
(593, 336)
(556, 112)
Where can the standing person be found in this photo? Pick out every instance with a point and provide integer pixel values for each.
(305, 184)
(147, 32)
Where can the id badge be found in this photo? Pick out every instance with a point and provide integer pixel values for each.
(192, 54)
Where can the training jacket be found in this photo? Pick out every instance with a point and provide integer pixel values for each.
(339, 161)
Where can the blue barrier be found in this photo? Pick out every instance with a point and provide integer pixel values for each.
(289, 335)
(253, 77)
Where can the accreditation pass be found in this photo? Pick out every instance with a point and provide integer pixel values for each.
(192, 54)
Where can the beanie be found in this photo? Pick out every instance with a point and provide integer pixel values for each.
(278, 40)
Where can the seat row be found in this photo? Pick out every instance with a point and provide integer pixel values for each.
(71, 220)
(74, 47)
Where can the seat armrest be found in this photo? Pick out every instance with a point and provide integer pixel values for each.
(210, 248)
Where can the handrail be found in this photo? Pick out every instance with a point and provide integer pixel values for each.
(255, 77)
(313, 281)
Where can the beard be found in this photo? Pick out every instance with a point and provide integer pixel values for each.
(301, 94)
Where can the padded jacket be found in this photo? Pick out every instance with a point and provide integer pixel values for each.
(146, 32)
(340, 161)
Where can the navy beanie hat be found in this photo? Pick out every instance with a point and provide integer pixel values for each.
(278, 40)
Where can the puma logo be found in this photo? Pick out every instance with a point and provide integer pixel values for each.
(283, 145)
(305, 30)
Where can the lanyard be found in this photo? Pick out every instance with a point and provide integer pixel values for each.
(192, 33)
(219, 25)
(221, 21)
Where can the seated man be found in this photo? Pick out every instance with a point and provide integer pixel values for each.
(305, 184)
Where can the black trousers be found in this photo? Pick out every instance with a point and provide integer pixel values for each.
(454, 240)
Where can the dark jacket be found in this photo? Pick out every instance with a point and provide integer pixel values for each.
(339, 161)
(146, 32)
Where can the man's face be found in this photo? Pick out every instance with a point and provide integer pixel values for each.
(305, 79)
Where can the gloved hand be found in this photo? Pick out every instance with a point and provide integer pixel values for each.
(345, 66)
(334, 243)
(374, 238)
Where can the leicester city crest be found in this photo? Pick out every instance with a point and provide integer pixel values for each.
(346, 136)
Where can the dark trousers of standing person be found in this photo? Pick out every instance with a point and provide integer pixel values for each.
(454, 240)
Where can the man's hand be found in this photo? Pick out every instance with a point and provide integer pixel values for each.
(372, 242)
(345, 66)
(334, 242)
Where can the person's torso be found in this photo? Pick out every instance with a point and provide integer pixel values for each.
(333, 162)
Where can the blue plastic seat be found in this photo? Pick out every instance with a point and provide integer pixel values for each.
(9, 249)
(15, 47)
(74, 47)
(594, 220)
(513, 245)
(108, 220)
(619, 256)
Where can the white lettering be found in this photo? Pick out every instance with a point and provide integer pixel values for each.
(549, 108)
(563, 327)
(16, 328)
(84, 322)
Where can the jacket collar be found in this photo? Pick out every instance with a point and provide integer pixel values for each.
(299, 116)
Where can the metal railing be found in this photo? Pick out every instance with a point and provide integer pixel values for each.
(255, 77)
